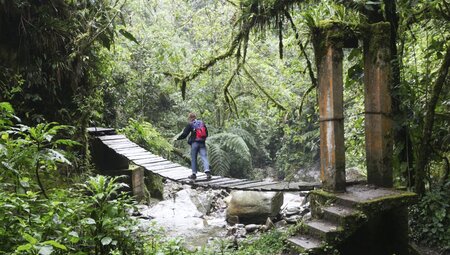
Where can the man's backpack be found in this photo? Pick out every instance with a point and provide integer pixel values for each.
(199, 130)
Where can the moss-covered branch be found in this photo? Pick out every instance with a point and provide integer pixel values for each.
(263, 90)
(233, 49)
(302, 48)
(257, 15)
(228, 97)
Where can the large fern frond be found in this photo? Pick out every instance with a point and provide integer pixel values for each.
(233, 143)
(218, 159)
(247, 136)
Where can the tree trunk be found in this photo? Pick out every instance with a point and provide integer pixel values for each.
(401, 133)
(423, 153)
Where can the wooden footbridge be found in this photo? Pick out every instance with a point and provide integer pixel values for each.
(114, 152)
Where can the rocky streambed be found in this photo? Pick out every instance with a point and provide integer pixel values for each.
(200, 215)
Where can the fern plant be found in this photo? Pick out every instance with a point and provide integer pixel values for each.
(147, 136)
(229, 154)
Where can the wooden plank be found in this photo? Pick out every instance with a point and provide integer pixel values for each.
(282, 186)
(116, 141)
(135, 157)
(200, 181)
(184, 176)
(159, 168)
(108, 142)
(111, 137)
(149, 160)
(138, 154)
(118, 144)
(203, 180)
(176, 176)
(179, 168)
(251, 186)
(242, 182)
(269, 187)
(124, 146)
(99, 129)
(129, 151)
(226, 182)
(164, 162)
(173, 169)
(222, 179)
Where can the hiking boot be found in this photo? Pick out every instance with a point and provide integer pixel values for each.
(208, 175)
(192, 177)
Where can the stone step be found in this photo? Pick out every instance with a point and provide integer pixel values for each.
(323, 229)
(355, 195)
(305, 243)
(338, 213)
(345, 201)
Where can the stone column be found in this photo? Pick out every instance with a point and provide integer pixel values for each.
(332, 152)
(378, 122)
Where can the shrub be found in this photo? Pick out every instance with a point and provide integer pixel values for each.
(89, 219)
(430, 218)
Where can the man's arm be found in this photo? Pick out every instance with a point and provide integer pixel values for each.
(186, 132)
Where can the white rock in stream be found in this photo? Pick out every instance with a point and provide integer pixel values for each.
(184, 215)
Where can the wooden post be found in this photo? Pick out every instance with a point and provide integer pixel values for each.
(378, 122)
(332, 152)
(138, 183)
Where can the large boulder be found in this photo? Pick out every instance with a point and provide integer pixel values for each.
(253, 206)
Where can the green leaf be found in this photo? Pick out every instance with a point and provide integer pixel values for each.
(29, 238)
(24, 182)
(74, 238)
(128, 35)
(25, 247)
(55, 155)
(5, 106)
(106, 240)
(67, 142)
(55, 244)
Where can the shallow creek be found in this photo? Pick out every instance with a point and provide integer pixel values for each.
(195, 215)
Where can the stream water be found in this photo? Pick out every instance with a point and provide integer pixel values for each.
(196, 215)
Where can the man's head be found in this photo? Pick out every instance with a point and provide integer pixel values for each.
(191, 117)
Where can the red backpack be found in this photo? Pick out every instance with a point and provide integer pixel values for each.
(200, 130)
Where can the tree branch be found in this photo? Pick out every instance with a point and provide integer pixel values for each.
(227, 94)
(263, 90)
(422, 159)
(302, 48)
(205, 66)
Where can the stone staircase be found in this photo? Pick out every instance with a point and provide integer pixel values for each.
(329, 225)
(336, 217)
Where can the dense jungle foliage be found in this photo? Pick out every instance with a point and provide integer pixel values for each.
(246, 67)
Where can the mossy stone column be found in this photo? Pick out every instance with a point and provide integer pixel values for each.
(378, 122)
(329, 55)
